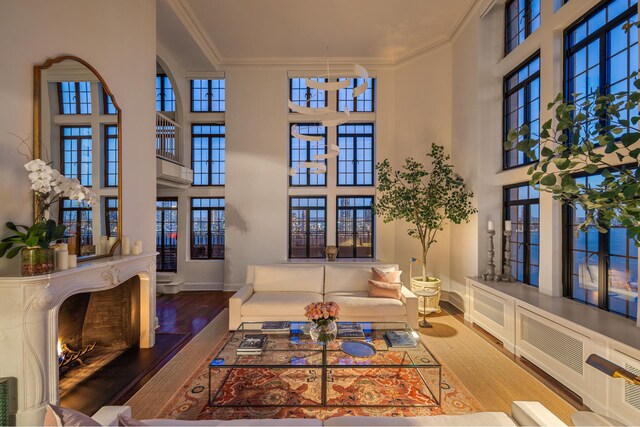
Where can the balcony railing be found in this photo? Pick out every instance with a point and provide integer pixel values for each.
(168, 141)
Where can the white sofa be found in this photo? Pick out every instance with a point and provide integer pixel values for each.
(280, 292)
(522, 414)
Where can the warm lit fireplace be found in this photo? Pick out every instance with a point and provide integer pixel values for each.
(32, 307)
(94, 328)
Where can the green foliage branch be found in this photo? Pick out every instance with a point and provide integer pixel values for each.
(596, 134)
(39, 235)
(427, 199)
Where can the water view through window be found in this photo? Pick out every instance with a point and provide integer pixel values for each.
(591, 253)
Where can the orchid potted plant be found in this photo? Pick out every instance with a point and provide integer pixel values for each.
(33, 242)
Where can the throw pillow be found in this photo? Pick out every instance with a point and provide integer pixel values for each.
(379, 289)
(124, 421)
(57, 416)
(386, 276)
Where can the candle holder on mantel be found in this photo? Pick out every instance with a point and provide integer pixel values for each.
(491, 268)
(506, 275)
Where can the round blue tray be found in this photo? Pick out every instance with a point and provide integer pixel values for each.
(358, 348)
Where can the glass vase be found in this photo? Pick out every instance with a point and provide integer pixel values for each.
(323, 332)
(35, 261)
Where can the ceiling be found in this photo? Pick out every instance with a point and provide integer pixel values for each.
(281, 31)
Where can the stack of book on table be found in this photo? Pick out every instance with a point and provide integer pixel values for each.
(400, 339)
(350, 330)
(252, 344)
(280, 327)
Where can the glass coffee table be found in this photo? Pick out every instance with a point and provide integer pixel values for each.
(294, 370)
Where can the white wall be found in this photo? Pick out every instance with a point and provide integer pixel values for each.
(118, 39)
(423, 117)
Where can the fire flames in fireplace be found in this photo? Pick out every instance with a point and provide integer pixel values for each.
(68, 358)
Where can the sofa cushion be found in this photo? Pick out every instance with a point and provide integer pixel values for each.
(359, 304)
(478, 419)
(384, 289)
(350, 279)
(279, 303)
(271, 278)
(386, 276)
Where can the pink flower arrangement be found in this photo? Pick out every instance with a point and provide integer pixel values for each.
(322, 312)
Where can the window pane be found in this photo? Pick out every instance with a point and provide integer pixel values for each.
(208, 95)
(365, 102)
(305, 151)
(167, 234)
(77, 153)
(522, 107)
(305, 96)
(355, 227)
(207, 228)
(355, 161)
(307, 227)
(165, 97)
(522, 208)
(111, 155)
(208, 154)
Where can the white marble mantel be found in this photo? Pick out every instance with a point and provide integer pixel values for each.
(29, 322)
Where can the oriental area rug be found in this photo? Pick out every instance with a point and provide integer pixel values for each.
(294, 388)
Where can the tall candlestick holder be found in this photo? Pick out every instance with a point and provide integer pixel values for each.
(506, 268)
(491, 268)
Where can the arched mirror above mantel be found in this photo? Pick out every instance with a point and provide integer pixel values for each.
(77, 127)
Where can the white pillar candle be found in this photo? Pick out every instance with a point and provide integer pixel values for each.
(507, 225)
(125, 245)
(112, 241)
(137, 250)
(62, 259)
(104, 245)
(72, 260)
(491, 226)
(139, 243)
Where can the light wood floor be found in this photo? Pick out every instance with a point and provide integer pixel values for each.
(491, 376)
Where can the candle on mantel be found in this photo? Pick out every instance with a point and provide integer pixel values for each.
(138, 243)
(125, 245)
(73, 261)
(507, 225)
(491, 226)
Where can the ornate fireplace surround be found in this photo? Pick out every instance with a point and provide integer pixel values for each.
(29, 322)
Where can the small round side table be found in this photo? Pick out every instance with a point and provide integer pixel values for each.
(424, 294)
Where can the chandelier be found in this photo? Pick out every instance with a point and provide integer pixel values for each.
(327, 118)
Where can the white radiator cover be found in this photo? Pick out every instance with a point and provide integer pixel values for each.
(553, 342)
(558, 346)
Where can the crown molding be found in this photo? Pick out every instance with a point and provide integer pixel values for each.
(189, 19)
(187, 16)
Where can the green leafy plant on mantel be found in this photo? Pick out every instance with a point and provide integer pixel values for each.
(40, 234)
(599, 133)
(425, 197)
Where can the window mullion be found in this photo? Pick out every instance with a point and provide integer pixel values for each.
(355, 160)
(355, 232)
(603, 268)
(527, 242)
(308, 231)
(210, 150)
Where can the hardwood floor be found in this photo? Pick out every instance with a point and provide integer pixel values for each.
(183, 313)
(189, 312)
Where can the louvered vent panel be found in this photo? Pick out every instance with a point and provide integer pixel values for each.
(632, 391)
(562, 347)
(489, 308)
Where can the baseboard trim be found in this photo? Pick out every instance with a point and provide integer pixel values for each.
(454, 299)
(202, 286)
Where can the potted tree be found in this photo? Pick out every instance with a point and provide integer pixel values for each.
(426, 199)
